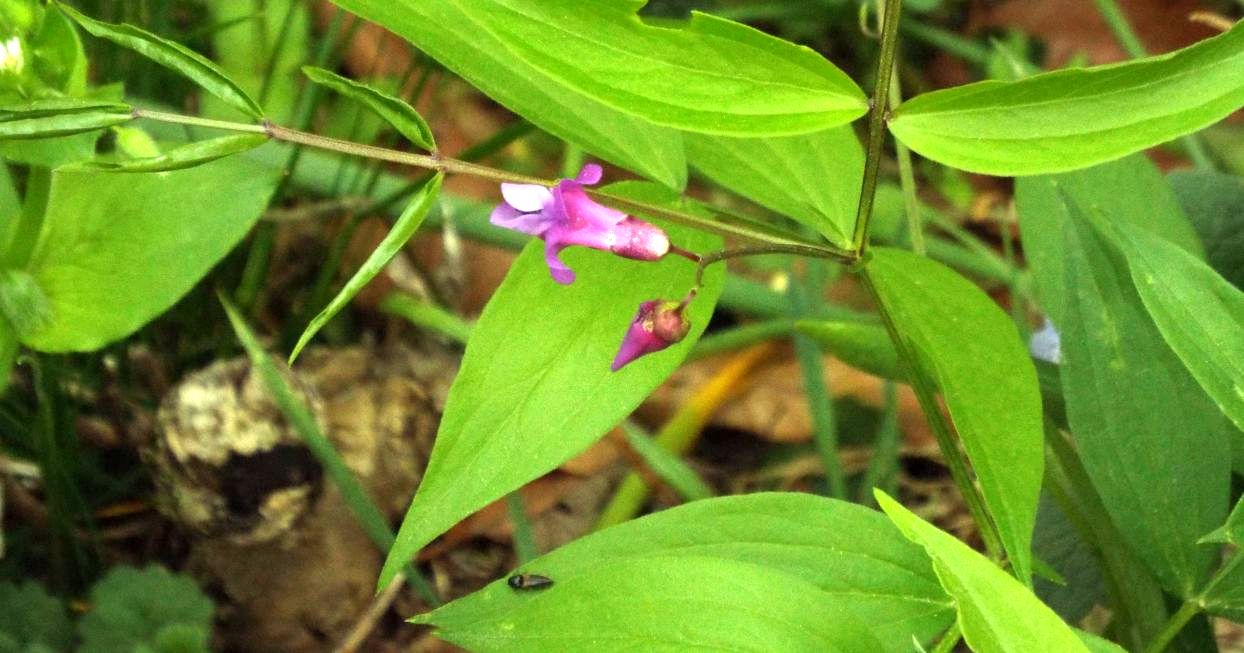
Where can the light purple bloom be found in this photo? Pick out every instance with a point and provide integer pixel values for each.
(564, 215)
(657, 325)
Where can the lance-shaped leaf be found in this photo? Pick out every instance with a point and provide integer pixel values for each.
(447, 31)
(970, 347)
(861, 345)
(535, 388)
(1132, 191)
(997, 613)
(1199, 313)
(713, 76)
(1075, 118)
(174, 56)
(674, 603)
(813, 178)
(60, 117)
(182, 157)
(405, 227)
(1130, 403)
(848, 552)
(116, 250)
(394, 110)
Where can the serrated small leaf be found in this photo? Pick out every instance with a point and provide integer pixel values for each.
(1075, 118)
(131, 607)
(185, 156)
(395, 111)
(997, 613)
(172, 55)
(403, 229)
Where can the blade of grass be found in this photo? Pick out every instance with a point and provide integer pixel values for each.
(670, 468)
(427, 315)
(681, 431)
(882, 471)
(804, 296)
(300, 417)
(524, 540)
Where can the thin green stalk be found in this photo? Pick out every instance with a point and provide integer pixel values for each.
(950, 640)
(300, 417)
(812, 369)
(767, 242)
(1126, 36)
(524, 538)
(947, 41)
(668, 466)
(22, 231)
(907, 178)
(1171, 630)
(883, 464)
(255, 270)
(876, 123)
(287, 22)
(926, 393)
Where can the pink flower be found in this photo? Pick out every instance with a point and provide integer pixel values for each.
(564, 215)
(657, 325)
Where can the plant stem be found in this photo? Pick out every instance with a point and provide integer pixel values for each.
(1126, 36)
(1176, 623)
(950, 640)
(926, 393)
(876, 123)
(768, 243)
(907, 179)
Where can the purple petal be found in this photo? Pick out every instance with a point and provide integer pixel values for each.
(532, 224)
(640, 240)
(527, 198)
(558, 270)
(590, 175)
(581, 210)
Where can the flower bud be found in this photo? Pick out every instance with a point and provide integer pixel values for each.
(657, 325)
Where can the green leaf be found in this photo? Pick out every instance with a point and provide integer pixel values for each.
(60, 117)
(405, 227)
(133, 606)
(23, 304)
(679, 603)
(395, 111)
(714, 76)
(1131, 191)
(185, 156)
(1097, 644)
(448, 31)
(1130, 404)
(1075, 118)
(1214, 204)
(535, 388)
(1199, 313)
(1230, 532)
(964, 341)
(861, 345)
(29, 616)
(996, 612)
(174, 56)
(116, 250)
(261, 48)
(850, 554)
(812, 178)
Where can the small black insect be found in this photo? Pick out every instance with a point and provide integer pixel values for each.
(524, 582)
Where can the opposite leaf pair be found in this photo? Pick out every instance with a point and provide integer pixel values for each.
(563, 216)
